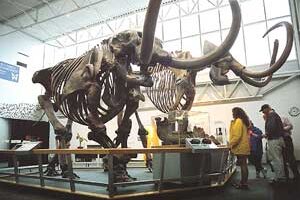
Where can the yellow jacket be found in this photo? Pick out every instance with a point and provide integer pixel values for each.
(239, 138)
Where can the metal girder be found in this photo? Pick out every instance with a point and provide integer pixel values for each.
(57, 16)
(282, 79)
(18, 29)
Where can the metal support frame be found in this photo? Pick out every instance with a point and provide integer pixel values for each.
(16, 168)
(70, 170)
(41, 172)
(111, 188)
(162, 171)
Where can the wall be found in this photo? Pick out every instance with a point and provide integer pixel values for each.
(10, 46)
(24, 91)
(5, 129)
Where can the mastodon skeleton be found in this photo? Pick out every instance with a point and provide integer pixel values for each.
(95, 87)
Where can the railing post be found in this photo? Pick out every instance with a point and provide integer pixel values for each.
(111, 187)
(16, 170)
(162, 170)
(70, 170)
(221, 179)
(42, 181)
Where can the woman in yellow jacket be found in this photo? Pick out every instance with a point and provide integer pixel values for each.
(239, 143)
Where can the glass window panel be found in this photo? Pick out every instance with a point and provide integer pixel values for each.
(204, 5)
(277, 8)
(82, 48)
(209, 21)
(49, 56)
(237, 50)
(192, 44)
(106, 30)
(65, 40)
(70, 52)
(189, 6)
(252, 11)
(95, 31)
(189, 25)
(158, 31)
(141, 18)
(226, 17)
(214, 38)
(257, 49)
(171, 29)
(185, 7)
(203, 76)
(82, 36)
(280, 34)
(172, 46)
(170, 11)
(59, 55)
(94, 43)
(131, 21)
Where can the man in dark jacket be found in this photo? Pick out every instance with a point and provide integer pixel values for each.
(274, 133)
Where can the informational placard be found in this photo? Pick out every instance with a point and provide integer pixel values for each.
(28, 146)
(9, 72)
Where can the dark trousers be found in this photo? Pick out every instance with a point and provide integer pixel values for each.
(255, 159)
(289, 157)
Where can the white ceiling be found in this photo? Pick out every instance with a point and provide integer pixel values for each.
(46, 20)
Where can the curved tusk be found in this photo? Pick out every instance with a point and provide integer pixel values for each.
(275, 66)
(265, 82)
(198, 63)
(149, 31)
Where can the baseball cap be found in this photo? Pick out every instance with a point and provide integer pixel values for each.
(264, 107)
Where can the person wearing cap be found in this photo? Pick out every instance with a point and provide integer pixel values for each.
(274, 133)
(289, 156)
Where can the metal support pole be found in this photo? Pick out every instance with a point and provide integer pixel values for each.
(162, 170)
(16, 170)
(111, 187)
(221, 179)
(70, 169)
(42, 181)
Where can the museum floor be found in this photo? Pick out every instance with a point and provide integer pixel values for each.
(260, 189)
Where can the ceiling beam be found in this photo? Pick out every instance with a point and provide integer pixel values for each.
(59, 15)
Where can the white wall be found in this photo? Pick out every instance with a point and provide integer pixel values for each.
(4, 130)
(24, 91)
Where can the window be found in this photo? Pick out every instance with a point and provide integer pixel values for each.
(171, 29)
(189, 25)
(192, 44)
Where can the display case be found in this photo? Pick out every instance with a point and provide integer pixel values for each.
(174, 127)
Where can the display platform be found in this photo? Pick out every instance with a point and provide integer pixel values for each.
(94, 182)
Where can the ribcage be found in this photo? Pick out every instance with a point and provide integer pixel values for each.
(163, 92)
(75, 104)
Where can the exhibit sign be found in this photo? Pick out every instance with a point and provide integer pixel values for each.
(9, 72)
